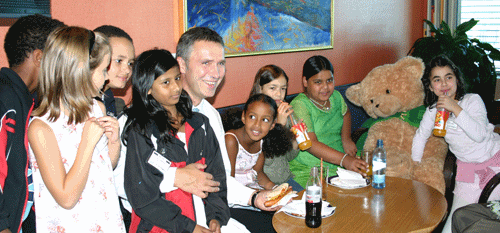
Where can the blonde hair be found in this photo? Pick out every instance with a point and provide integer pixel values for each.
(66, 72)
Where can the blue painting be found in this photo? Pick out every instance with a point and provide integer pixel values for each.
(265, 26)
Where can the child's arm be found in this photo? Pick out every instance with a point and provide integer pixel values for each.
(422, 134)
(321, 150)
(473, 119)
(142, 182)
(232, 151)
(262, 178)
(66, 188)
(347, 143)
(214, 226)
(216, 206)
(112, 129)
(284, 111)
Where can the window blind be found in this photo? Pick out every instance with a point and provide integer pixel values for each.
(488, 27)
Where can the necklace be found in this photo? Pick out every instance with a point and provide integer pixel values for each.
(321, 106)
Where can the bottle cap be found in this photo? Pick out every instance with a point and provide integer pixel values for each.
(380, 143)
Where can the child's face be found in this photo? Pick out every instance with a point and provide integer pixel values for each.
(443, 80)
(258, 120)
(100, 74)
(122, 61)
(320, 86)
(167, 88)
(276, 89)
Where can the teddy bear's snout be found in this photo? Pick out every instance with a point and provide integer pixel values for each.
(371, 101)
(384, 106)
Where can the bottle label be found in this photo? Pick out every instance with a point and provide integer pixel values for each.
(299, 131)
(313, 194)
(378, 165)
(441, 118)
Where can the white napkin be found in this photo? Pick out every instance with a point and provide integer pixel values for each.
(348, 179)
(298, 208)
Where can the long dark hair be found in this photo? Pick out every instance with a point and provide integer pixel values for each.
(441, 61)
(279, 139)
(314, 65)
(145, 110)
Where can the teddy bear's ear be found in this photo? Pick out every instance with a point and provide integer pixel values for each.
(353, 93)
(412, 65)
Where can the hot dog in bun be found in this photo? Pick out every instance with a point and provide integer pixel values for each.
(277, 194)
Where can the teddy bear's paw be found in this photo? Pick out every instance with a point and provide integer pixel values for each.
(429, 176)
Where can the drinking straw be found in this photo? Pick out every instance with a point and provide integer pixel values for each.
(321, 173)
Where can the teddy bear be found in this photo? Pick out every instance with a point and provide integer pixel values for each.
(393, 96)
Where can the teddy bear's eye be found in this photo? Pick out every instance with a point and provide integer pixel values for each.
(388, 91)
(371, 101)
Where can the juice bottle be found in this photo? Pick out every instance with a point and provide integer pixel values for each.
(440, 123)
(300, 131)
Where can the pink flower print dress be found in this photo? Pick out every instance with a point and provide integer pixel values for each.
(98, 209)
(245, 161)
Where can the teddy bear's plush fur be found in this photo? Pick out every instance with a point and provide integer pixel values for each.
(388, 94)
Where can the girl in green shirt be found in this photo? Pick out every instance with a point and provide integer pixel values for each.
(328, 121)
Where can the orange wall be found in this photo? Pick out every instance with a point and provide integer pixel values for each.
(366, 34)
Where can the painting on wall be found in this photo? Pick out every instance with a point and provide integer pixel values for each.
(251, 27)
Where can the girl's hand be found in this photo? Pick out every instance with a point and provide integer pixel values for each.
(111, 128)
(284, 110)
(350, 147)
(449, 104)
(354, 164)
(200, 229)
(214, 226)
(92, 131)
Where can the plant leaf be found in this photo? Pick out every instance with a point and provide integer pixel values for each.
(495, 55)
(431, 25)
(446, 29)
(465, 26)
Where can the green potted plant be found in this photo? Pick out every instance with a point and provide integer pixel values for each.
(475, 58)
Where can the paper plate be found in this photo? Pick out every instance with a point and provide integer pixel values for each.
(337, 182)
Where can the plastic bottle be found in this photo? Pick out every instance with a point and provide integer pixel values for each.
(300, 131)
(440, 123)
(379, 164)
(313, 199)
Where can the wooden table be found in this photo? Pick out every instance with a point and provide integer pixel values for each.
(403, 206)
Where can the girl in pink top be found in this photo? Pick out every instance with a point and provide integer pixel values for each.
(468, 133)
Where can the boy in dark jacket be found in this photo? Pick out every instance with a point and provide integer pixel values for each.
(23, 45)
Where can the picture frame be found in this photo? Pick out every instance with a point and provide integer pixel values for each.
(256, 27)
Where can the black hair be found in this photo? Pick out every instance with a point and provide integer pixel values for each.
(27, 34)
(145, 111)
(441, 61)
(112, 31)
(314, 65)
(278, 140)
(193, 35)
(265, 75)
